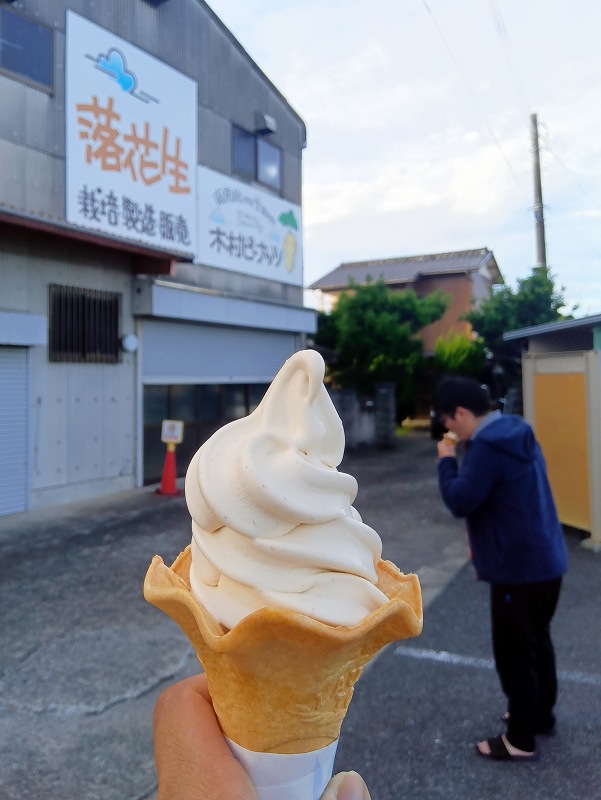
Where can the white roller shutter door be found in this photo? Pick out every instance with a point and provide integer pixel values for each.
(13, 430)
(179, 352)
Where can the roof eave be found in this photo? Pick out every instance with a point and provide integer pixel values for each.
(552, 327)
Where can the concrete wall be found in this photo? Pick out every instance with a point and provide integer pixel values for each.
(184, 34)
(81, 415)
(359, 423)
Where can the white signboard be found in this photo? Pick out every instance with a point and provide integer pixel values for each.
(245, 229)
(131, 141)
(172, 431)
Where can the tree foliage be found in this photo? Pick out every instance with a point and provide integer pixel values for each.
(458, 354)
(374, 334)
(535, 301)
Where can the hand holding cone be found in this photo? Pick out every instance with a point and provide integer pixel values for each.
(281, 682)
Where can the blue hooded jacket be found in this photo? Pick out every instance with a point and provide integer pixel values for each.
(503, 490)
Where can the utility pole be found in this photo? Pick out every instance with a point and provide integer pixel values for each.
(541, 250)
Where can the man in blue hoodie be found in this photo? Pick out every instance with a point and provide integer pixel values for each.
(517, 546)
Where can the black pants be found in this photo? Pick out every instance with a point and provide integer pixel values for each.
(521, 616)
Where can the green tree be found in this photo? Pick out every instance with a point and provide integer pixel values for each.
(374, 333)
(458, 354)
(535, 301)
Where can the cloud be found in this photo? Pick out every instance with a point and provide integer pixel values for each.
(419, 144)
(115, 65)
(587, 213)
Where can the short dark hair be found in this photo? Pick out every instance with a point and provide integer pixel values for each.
(454, 391)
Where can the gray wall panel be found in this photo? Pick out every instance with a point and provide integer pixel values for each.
(82, 415)
(32, 181)
(228, 282)
(292, 176)
(181, 353)
(214, 141)
(182, 33)
(14, 424)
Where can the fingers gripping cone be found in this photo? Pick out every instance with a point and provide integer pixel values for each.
(281, 682)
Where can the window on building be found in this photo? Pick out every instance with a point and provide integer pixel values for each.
(256, 159)
(83, 325)
(25, 49)
(203, 408)
(269, 164)
(156, 404)
(244, 153)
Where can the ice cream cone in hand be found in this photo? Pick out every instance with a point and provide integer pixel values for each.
(280, 681)
(283, 592)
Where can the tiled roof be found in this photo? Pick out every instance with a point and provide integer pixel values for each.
(408, 268)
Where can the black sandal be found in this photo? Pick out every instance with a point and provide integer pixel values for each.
(500, 752)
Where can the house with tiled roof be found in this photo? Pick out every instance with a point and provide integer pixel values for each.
(465, 275)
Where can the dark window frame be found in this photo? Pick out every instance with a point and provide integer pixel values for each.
(196, 431)
(239, 135)
(83, 325)
(19, 76)
(261, 142)
(254, 176)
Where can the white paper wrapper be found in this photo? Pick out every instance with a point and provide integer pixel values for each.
(301, 776)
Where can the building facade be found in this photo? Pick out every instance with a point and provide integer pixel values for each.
(465, 276)
(150, 240)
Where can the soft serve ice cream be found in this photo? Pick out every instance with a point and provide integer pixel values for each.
(272, 518)
(274, 534)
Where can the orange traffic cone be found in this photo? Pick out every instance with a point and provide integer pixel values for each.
(169, 473)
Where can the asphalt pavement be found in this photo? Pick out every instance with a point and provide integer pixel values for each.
(83, 657)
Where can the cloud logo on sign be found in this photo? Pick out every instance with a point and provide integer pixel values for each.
(114, 64)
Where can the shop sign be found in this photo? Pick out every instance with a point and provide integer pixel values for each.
(172, 431)
(245, 229)
(130, 141)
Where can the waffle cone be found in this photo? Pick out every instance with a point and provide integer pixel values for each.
(281, 682)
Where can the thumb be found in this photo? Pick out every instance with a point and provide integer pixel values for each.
(346, 786)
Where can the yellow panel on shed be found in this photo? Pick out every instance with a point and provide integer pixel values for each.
(560, 422)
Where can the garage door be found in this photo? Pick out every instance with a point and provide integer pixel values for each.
(189, 353)
(13, 430)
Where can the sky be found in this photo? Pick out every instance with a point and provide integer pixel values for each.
(418, 116)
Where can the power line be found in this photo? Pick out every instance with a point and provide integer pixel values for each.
(501, 30)
(577, 184)
(472, 93)
(565, 218)
(572, 177)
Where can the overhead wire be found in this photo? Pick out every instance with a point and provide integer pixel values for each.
(543, 140)
(565, 218)
(501, 30)
(472, 93)
(572, 176)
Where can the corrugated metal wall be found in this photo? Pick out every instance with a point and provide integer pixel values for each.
(181, 353)
(182, 33)
(82, 415)
(14, 428)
